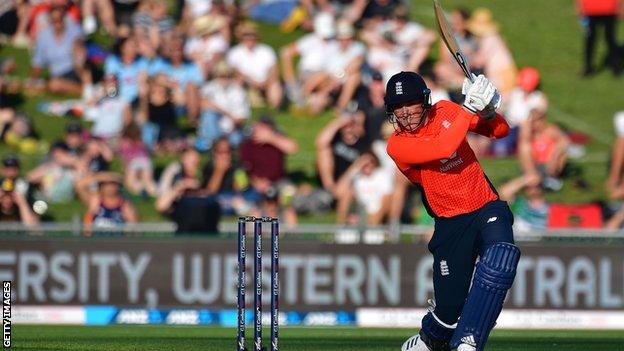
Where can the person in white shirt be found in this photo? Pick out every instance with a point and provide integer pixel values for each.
(225, 108)
(256, 64)
(371, 185)
(210, 44)
(341, 72)
(110, 113)
(312, 49)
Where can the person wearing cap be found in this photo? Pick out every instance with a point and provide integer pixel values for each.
(13, 205)
(341, 72)
(262, 76)
(209, 44)
(106, 206)
(312, 49)
(429, 147)
(225, 108)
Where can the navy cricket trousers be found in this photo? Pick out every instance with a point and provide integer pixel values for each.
(456, 244)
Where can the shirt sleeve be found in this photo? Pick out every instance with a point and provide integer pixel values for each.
(410, 150)
(39, 58)
(496, 128)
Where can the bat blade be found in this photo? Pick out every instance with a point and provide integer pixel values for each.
(449, 39)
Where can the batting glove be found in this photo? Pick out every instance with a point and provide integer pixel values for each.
(479, 94)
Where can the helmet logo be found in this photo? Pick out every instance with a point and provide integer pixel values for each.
(398, 87)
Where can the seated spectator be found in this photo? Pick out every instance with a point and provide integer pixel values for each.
(525, 97)
(11, 170)
(95, 158)
(209, 43)
(106, 206)
(371, 185)
(124, 11)
(18, 132)
(385, 56)
(411, 41)
(54, 51)
(183, 198)
(446, 68)
(157, 118)
(13, 205)
(341, 74)
(263, 156)
(127, 67)
(110, 113)
(151, 22)
(493, 54)
(74, 139)
(531, 209)
(225, 108)
(186, 169)
(312, 49)
(370, 100)
(40, 15)
(56, 176)
(14, 22)
(542, 148)
(261, 77)
(138, 169)
(183, 78)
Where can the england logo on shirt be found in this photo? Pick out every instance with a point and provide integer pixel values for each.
(399, 88)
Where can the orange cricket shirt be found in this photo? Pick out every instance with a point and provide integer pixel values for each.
(437, 157)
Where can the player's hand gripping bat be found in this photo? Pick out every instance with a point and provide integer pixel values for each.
(451, 43)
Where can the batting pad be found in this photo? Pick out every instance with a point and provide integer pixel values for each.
(494, 275)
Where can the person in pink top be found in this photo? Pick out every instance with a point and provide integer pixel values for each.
(600, 13)
(138, 170)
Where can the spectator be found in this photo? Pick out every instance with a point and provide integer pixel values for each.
(531, 209)
(106, 206)
(157, 117)
(127, 67)
(138, 169)
(542, 148)
(263, 76)
(225, 108)
(124, 11)
(54, 51)
(263, 156)
(371, 185)
(525, 97)
(95, 158)
(600, 13)
(18, 132)
(446, 68)
(13, 205)
(186, 169)
(56, 176)
(183, 78)
(370, 100)
(74, 139)
(14, 21)
(493, 54)
(151, 22)
(341, 75)
(313, 49)
(11, 170)
(209, 43)
(110, 113)
(183, 198)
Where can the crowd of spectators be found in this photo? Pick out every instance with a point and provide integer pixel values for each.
(186, 81)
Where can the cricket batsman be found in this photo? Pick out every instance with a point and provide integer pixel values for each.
(429, 146)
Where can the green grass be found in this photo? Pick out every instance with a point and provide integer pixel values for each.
(544, 34)
(162, 338)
